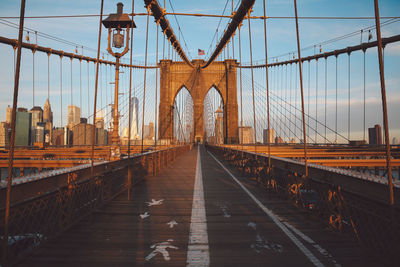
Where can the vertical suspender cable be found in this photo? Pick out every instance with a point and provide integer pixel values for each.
(145, 72)
(252, 87)
(88, 79)
(163, 52)
(308, 102)
(279, 94)
(241, 86)
(364, 94)
(95, 92)
(285, 99)
(12, 139)
(61, 94)
(384, 104)
(269, 131)
(106, 93)
(233, 39)
(72, 100)
(14, 47)
(80, 84)
(156, 96)
(348, 110)
(316, 100)
(101, 85)
(295, 101)
(33, 77)
(336, 82)
(48, 76)
(290, 99)
(326, 91)
(130, 93)
(301, 90)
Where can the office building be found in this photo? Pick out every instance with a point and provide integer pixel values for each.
(74, 116)
(148, 133)
(23, 127)
(4, 135)
(375, 135)
(57, 137)
(8, 114)
(246, 135)
(37, 116)
(99, 123)
(38, 133)
(101, 137)
(82, 134)
(268, 135)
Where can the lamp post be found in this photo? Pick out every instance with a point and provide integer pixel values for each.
(118, 25)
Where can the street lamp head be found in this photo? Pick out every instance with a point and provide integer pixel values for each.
(118, 22)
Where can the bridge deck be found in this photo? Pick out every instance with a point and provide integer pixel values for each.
(239, 229)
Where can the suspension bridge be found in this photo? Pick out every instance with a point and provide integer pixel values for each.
(219, 159)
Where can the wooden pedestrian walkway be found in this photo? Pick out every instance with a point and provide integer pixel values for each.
(199, 212)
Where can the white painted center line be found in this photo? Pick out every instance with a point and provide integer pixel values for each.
(275, 219)
(198, 249)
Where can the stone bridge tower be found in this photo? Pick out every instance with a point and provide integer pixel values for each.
(220, 75)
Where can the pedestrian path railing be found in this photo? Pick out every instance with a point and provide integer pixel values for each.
(341, 200)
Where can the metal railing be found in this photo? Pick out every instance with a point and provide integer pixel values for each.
(41, 210)
(344, 202)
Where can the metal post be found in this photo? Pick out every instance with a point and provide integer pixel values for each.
(12, 140)
(384, 104)
(115, 151)
(95, 103)
(130, 89)
(266, 81)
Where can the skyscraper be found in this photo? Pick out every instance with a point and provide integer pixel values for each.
(135, 118)
(375, 135)
(246, 135)
(37, 116)
(148, 133)
(268, 134)
(8, 114)
(48, 120)
(47, 113)
(74, 116)
(4, 134)
(219, 127)
(22, 127)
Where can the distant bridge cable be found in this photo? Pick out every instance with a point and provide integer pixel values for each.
(207, 15)
(350, 49)
(47, 36)
(342, 37)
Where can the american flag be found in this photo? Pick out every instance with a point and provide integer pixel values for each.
(200, 52)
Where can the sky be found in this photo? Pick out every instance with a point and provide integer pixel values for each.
(198, 33)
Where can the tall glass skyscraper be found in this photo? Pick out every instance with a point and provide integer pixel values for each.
(135, 118)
